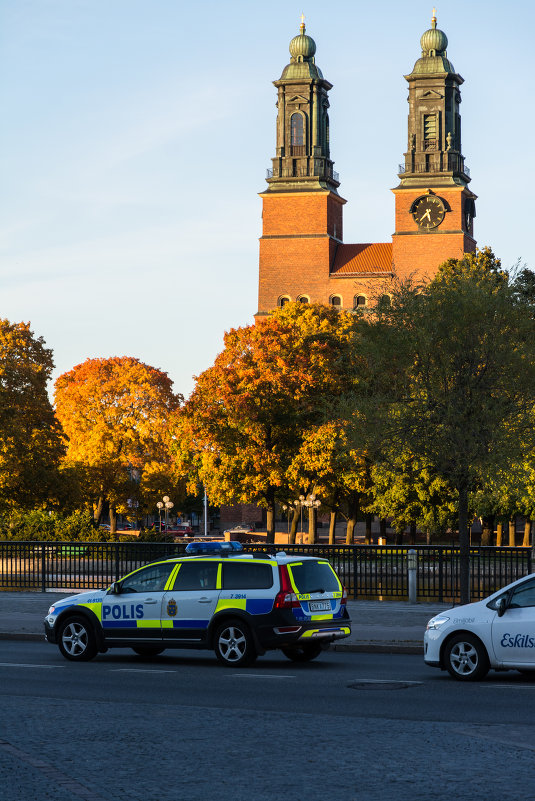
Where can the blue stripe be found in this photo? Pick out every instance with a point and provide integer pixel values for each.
(190, 624)
(119, 624)
(259, 606)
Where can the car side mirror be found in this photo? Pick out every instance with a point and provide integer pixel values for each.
(115, 588)
(501, 606)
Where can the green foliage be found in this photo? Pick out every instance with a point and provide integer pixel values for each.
(39, 525)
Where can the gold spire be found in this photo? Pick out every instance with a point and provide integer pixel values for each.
(302, 26)
(434, 18)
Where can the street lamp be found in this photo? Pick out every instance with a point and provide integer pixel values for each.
(286, 508)
(166, 504)
(311, 502)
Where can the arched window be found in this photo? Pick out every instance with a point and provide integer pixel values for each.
(283, 300)
(297, 134)
(336, 301)
(385, 301)
(303, 299)
(298, 129)
(359, 301)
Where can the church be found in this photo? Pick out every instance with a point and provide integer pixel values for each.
(303, 256)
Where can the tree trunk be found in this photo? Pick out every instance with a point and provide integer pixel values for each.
(312, 525)
(332, 528)
(270, 517)
(428, 536)
(487, 530)
(499, 534)
(382, 528)
(113, 520)
(293, 527)
(464, 545)
(97, 510)
(399, 536)
(354, 504)
(527, 532)
(512, 532)
(412, 535)
(368, 537)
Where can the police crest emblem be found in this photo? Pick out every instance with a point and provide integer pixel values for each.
(171, 608)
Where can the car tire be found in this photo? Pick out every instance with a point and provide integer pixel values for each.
(233, 644)
(76, 639)
(148, 650)
(465, 658)
(302, 653)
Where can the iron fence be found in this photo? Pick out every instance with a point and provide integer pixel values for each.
(367, 571)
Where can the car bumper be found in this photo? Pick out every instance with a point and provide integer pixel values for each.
(283, 633)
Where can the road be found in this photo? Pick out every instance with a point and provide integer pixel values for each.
(180, 727)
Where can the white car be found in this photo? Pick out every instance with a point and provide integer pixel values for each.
(498, 633)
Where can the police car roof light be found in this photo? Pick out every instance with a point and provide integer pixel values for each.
(213, 548)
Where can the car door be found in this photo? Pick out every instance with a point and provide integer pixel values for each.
(188, 606)
(513, 634)
(133, 613)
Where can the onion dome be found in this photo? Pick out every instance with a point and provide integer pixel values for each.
(434, 58)
(302, 52)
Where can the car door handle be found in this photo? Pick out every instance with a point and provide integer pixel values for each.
(204, 600)
(150, 601)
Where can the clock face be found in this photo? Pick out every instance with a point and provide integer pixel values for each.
(428, 212)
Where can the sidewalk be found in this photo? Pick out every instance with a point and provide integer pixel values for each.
(377, 626)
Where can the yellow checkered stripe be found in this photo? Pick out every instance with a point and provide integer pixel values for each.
(343, 631)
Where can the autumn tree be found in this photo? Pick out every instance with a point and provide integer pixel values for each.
(115, 413)
(248, 414)
(31, 442)
(459, 354)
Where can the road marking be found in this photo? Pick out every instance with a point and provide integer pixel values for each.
(262, 676)
(20, 664)
(139, 670)
(386, 681)
(507, 686)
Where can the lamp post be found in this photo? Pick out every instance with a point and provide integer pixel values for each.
(286, 508)
(312, 503)
(167, 505)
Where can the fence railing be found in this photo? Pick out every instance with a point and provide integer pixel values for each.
(367, 571)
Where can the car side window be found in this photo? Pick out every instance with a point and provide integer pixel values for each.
(247, 576)
(148, 579)
(196, 576)
(524, 595)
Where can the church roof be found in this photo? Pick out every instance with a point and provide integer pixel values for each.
(363, 259)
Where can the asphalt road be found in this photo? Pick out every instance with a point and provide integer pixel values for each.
(180, 727)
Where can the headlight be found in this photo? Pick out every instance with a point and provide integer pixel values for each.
(51, 610)
(437, 622)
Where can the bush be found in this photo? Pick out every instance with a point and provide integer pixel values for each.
(42, 525)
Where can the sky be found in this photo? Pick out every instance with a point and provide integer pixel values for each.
(135, 137)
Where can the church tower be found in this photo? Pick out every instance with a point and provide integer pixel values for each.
(302, 211)
(435, 208)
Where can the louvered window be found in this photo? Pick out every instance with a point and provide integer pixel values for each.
(430, 131)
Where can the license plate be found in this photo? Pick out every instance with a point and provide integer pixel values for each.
(319, 606)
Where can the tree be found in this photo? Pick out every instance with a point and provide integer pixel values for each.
(31, 441)
(248, 414)
(463, 349)
(115, 413)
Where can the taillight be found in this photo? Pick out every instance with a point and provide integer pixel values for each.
(344, 595)
(286, 598)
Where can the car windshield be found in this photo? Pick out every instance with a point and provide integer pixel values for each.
(312, 576)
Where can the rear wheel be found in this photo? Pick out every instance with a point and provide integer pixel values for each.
(76, 639)
(302, 653)
(465, 658)
(148, 650)
(233, 644)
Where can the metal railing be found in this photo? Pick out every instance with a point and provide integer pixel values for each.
(367, 571)
(454, 163)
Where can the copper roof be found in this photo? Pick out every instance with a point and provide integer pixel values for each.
(367, 258)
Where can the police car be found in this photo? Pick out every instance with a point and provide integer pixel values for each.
(498, 633)
(217, 597)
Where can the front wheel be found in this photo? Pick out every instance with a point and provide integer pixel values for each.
(148, 650)
(233, 644)
(302, 653)
(76, 639)
(466, 658)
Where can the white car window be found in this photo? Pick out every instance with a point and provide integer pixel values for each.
(524, 595)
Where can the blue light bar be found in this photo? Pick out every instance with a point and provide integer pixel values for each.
(215, 548)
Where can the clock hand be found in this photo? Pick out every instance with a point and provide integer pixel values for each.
(427, 214)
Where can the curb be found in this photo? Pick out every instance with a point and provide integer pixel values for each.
(381, 648)
(356, 648)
